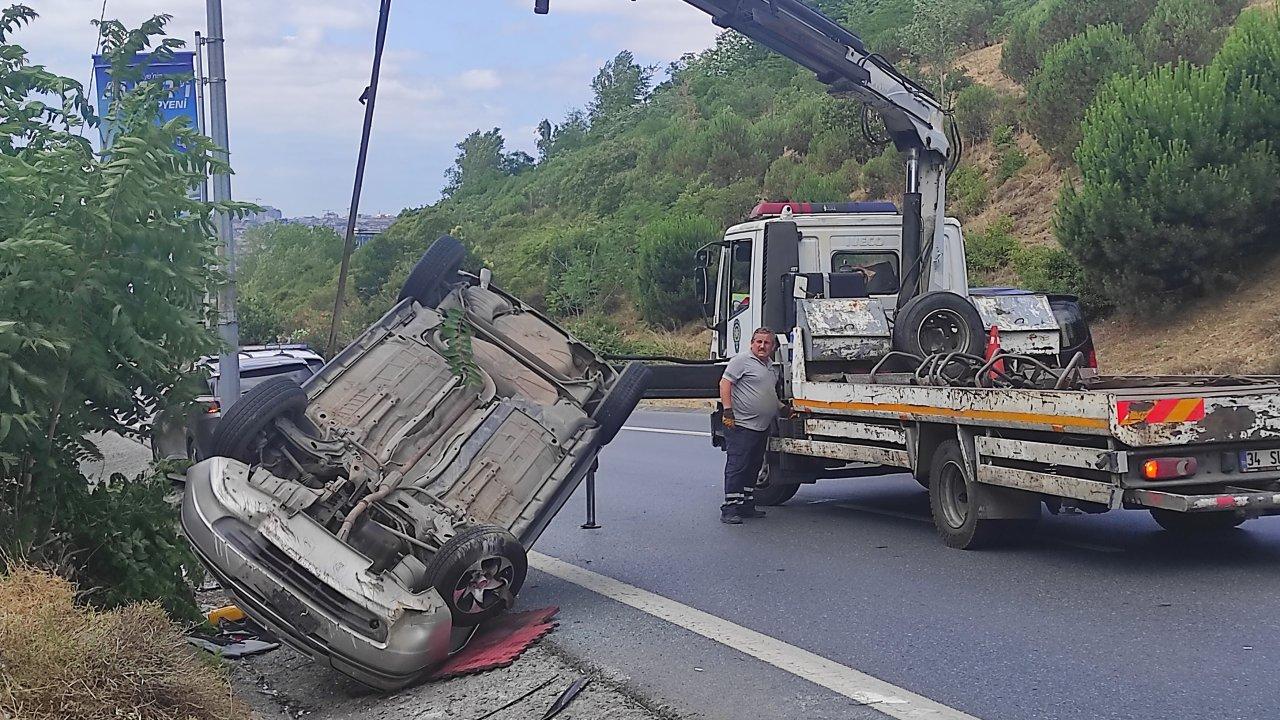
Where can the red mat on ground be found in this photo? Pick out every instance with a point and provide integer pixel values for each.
(498, 643)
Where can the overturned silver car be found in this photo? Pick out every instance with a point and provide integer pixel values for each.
(377, 513)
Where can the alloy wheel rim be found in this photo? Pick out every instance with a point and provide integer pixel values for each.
(484, 585)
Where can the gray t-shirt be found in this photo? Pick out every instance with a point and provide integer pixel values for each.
(755, 391)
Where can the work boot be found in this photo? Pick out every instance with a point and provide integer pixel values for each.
(750, 511)
(729, 515)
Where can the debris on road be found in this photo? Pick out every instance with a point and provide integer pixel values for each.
(566, 697)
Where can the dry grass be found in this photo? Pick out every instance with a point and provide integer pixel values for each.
(1230, 333)
(59, 660)
(983, 65)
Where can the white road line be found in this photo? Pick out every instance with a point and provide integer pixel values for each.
(929, 521)
(696, 433)
(859, 687)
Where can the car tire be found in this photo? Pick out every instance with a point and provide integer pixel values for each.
(428, 282)
(621, 400)
(767, 490)
(482, 558)
(951, 489)
(236, 431)
(937, 322)
(1182, 523)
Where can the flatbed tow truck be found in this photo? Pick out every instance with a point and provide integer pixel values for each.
(892, 365)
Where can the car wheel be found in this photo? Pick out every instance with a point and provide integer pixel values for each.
(1188, 523)
(237, 431)
(621, 400)
(428, 282)
(952, 502)
(769, 490)
(938, 322)
(478, 572)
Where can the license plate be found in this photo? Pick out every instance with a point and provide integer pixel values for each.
(1259, 460)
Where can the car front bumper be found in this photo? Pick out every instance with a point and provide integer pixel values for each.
(315, 592)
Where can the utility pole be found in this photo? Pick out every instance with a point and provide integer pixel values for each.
(228, 327)
(368, 98)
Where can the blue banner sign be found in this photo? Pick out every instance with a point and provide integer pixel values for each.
(182, 94)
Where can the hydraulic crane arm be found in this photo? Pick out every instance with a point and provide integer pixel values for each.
(914, 119)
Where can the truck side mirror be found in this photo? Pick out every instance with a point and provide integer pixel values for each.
(702, 258)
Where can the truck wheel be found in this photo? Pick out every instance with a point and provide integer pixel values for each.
(621, 399)
(478, 573)
(951, 493)
(1186, 523)
(428, 282)
(237, 431)
(938, 322)
(769, 489)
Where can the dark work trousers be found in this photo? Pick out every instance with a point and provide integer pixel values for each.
(742, 466)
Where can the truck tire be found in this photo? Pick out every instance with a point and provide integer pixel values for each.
(428, 282)
(950, 490)
(1182, 523)
(769, 490)
(621, 400)
(938, 322)
(236, 432)
(478, 573)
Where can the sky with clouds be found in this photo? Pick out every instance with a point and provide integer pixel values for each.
(296, 67)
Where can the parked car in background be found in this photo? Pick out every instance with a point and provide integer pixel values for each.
(183, 433)
(374, 515)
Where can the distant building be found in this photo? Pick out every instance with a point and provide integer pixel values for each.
(367, 226)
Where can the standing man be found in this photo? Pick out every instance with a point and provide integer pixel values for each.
(749, 394)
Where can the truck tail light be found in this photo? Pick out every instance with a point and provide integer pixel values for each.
(1169, 468)
(1092, 359)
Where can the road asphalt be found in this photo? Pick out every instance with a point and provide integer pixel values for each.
(1094, 617)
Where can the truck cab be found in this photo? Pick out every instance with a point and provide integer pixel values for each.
(843, 250)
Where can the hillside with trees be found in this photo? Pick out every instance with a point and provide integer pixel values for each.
(1119, 150)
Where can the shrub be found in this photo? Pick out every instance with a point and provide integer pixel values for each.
(885, 175)
(66, 661)
(664, 255)
(1012, 159)
(104, 261)
(601, 333)
(1073, 70)
(1250, 56)
(1182, 30)
(1049, 22)
(967, 190)
(976, 107)
(1173, 192)
(1053, 270)
(990, 249)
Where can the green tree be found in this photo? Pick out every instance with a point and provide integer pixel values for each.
(288, 277)
(482, 162)
(1066, 83)
(1184, 30)
(1049, 22)
(104, 261)
(1173, 190)
(618, 88)
(664, 257)
(939, 31)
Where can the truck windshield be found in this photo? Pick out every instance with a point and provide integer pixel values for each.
(880, 269)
